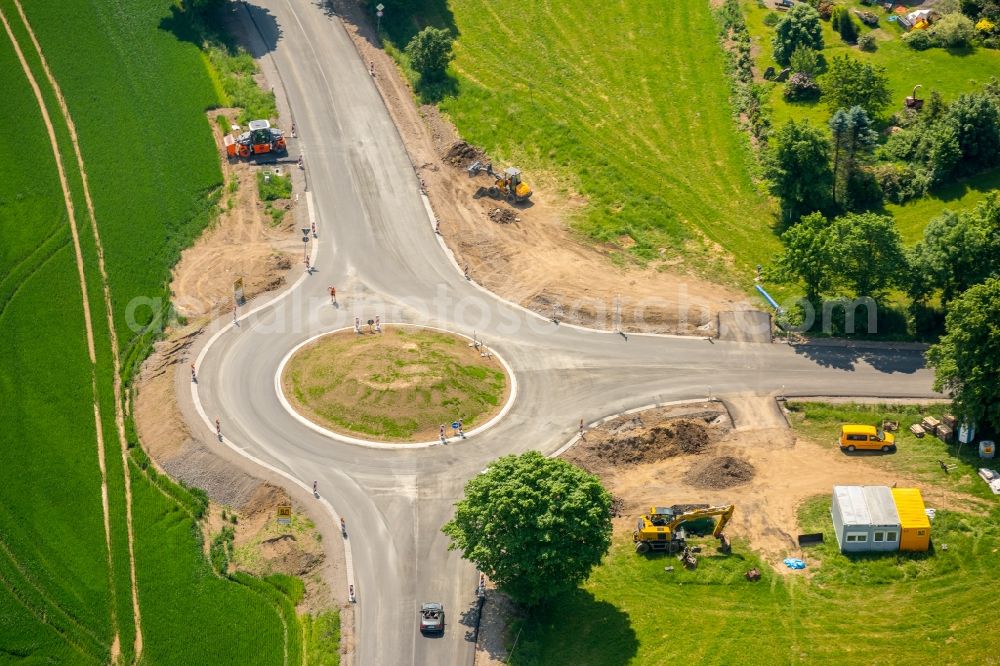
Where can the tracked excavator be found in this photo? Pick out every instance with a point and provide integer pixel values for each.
(507, 185)
(259, 139)
(660, 529)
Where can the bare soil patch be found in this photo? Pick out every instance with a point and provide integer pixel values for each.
(721, 472)
(537, 261)
(786, 470)
(242, 243)
(402, 384)
(649, 437)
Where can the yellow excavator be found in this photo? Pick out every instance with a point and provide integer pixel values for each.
(660, 529)
(507, 185)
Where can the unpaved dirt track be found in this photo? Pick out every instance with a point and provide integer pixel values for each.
(380, 250)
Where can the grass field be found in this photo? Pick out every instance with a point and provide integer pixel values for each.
(894, 608)
(64, 594)
(950, 74)
(625, 103)
(401, 384)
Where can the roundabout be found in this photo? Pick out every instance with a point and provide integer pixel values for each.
(377, 243)
(401, 384)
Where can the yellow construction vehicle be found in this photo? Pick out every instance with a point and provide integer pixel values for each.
(660, 529)
(507, 185)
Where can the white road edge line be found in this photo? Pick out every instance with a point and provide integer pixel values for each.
(388, 445)
(348, 557)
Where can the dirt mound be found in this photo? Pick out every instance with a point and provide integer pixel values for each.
(503, 215)
(461, 153)
(637, 445)
(722, 472)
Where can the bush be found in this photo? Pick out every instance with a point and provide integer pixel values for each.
(952, 31)
(801, 87)
(918, 40)
(836, 16)
(806, 61)
(799, 27)
(771, 19)
(900, 183)
(848, 29)
(867, 42)
(863, 191)
(272, 187)
(430, 52)
(825, 10)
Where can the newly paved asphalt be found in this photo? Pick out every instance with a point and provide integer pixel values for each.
(377, 245)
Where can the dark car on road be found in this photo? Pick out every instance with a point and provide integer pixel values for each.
(432, 618)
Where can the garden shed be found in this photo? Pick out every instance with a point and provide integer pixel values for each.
(865, 519)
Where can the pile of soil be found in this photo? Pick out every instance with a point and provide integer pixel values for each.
(617, 506)
(636, 445)
(461, 154)
(503, 215)
(722, 472)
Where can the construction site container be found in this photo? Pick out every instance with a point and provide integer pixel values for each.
(915, 534)
(865, 519)
(884, 519)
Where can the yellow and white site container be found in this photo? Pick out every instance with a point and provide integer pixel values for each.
(915, 533)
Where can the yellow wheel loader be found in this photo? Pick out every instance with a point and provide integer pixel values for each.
(507, 185)
(660, 529)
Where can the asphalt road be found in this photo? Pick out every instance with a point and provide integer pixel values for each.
(377, 245)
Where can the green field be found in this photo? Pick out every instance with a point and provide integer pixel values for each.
(64, 594)
(895, 608)
(624, 103)
(950, 74)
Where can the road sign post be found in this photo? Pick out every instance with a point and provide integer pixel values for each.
(378, 13)
(284, 514)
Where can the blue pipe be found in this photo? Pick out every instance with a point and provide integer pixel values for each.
(767, 296)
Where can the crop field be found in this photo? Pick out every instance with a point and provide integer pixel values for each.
(149, 154)
(65, 584)
(624, 103)
(898, 608)
(950, 74)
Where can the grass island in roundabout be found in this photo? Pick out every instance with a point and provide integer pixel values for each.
(397, 385)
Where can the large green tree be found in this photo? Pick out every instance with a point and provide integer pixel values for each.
(966, 361)
(430, 52)
(849, 82)
(808, 256)
(868, 255)
(799, 27)
(535, 525)
(958, 250)
(976, 120)
(798, 167)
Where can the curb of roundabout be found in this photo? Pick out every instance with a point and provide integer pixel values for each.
(373, 444)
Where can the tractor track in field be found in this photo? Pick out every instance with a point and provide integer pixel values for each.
(88, 320)
(116, 358)
(88, 325)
